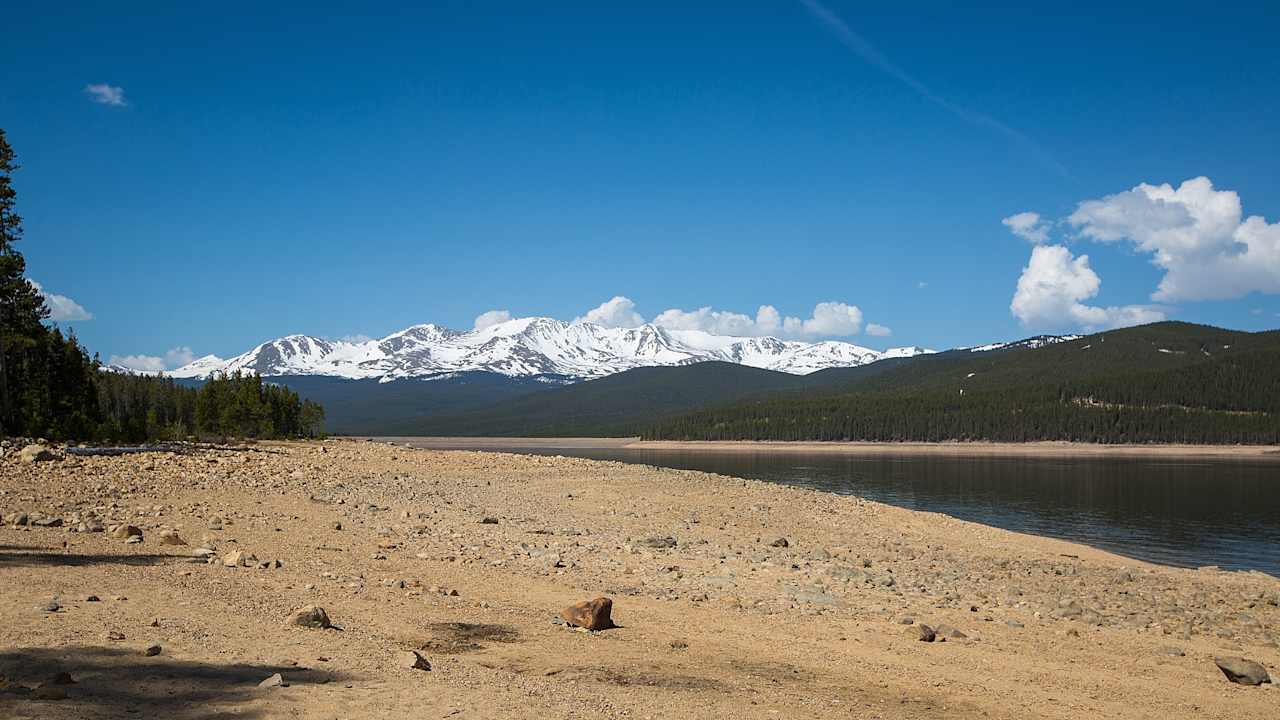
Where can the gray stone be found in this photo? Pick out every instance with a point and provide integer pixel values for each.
(1242, 671)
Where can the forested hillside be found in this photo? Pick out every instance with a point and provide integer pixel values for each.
(134, 408)
(1162, 383)
(618, 405)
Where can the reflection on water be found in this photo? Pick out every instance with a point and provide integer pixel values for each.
(1179, 512)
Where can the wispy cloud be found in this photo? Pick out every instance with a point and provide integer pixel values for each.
(870, 54)
(105, 94)
(61, 307)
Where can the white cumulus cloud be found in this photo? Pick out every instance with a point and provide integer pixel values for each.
(61, 307)
(1052, 290)
(620, 312)
(829, 319)
(1195, 233)
(172, 358)
(878, 330)
(490, 318)
(716, 322)
(105, 94)
(1029, 226)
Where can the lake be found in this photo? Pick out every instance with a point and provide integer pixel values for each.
(1176, 511)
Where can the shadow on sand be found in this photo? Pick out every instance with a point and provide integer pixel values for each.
(20, 556)
(118, 682)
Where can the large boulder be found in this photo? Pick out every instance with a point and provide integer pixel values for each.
(1242, 671)
(590, 614)
(36, 453)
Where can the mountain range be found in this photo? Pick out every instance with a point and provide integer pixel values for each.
(539, 347)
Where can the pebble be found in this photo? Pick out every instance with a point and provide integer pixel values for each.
(312, 616)
(275, 681)
(411, 660)
(921, 632)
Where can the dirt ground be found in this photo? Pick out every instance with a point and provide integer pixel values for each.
(734, 598)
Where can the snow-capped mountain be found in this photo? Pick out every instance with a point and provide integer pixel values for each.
(531, 347)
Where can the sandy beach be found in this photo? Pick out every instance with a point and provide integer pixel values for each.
(734, 598)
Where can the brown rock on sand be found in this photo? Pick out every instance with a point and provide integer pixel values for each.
(122, 532)
(590, 614)
(310, 616)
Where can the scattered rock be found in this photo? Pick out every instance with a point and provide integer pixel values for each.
(46, 521)
(311, 616)
(52, 606)
(275, 681)
(658, 542)
(1242, 671)
(780, 543)
(36, 453)
(921, 632)
(152, 650)
(115, 636)
(123, 532)
(489, 521)
(590, 614)
(93, 598)
(170, 537)
(411, 660)
(950, 632)
(1172, 651)
(236, 558)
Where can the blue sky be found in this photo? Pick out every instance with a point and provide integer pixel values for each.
(210, 177)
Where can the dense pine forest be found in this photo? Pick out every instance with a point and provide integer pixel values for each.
(50, 387)
(1162, 383)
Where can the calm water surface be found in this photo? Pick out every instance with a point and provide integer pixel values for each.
(1188, 512)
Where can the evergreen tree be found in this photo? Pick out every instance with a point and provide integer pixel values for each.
(22, 309)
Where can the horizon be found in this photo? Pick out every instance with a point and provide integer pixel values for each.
(799, 170)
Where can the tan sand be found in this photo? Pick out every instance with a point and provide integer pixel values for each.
(723, 624)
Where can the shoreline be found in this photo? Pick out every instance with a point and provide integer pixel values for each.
(994, 449)
(733, 598)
